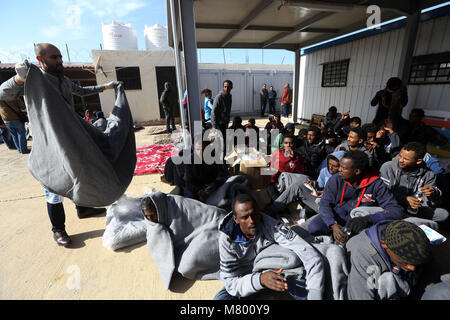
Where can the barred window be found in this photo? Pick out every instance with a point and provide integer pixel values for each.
(433, 68)
(130, 76)
(335, 73)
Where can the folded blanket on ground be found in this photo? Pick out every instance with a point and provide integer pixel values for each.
(185, 239)
(153, 158)
(275, 257)
(125, 224)
(225, 194)
(71, 157)
(286, 179)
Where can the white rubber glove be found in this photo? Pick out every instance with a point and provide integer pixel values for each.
(111, 85)
(22, 70)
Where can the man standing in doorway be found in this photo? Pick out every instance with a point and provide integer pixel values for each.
(264, 95)
(168, 101)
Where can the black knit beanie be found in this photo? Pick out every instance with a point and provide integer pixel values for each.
(408, 242)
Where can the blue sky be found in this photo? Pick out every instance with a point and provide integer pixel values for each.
(78, 23)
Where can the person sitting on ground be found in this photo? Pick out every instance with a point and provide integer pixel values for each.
(197, 179)
(251, 124)
(302, 134)
(283, 160)
(330, 138)
(244, 233)
(389, 261)
(289, 128)
(286, 159)
(314, 151)
(273, 124)
(356, 198)
(420, 132)
(297, 191)
(374, 145)
(332, 117)
(342, 128)
(251, 132)
(88, 116)
(407, 174)
(355, 141)
(100, 121)
(236, 125)
(388, 139)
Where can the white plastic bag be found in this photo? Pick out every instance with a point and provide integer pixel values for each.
(125, 224)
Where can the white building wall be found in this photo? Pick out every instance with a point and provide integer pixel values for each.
(373, 60)
(144, 103)
(247, 81)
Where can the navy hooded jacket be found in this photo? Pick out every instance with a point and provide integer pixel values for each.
(339, 198)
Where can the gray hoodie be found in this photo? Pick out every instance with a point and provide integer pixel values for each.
(344, 147)
(403, 184)
(237, 258)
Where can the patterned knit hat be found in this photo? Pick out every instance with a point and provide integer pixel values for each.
(408, 242)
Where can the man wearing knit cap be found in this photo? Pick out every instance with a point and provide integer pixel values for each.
(390, 260)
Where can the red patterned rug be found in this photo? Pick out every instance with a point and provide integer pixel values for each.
(152, 159)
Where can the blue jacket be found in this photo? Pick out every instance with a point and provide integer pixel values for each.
(339, 198)
(324, 174)
(272, 94)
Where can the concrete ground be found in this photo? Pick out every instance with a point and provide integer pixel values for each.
(33, 266)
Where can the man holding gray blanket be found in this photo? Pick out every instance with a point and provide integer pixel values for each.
(244, 233)
(51, 64)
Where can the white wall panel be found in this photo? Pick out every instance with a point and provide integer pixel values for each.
(373, 60)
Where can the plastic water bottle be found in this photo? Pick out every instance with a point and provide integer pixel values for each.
(347, 235)
(302, 217)
(418, 195)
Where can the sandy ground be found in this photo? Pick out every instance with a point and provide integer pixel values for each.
(33, 266)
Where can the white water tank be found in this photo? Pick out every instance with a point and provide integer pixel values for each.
(119, 36)
(156, 37)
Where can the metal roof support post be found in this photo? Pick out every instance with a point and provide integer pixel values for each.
(191, 66)
(176, 51)
(409, 44)
(295, 87)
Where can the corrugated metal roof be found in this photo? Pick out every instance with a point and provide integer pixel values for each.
(285, 24)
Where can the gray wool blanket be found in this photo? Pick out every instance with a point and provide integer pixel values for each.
(225, 194)
(71, 157)
(286, 179)
(275, 257)
(185, 239)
